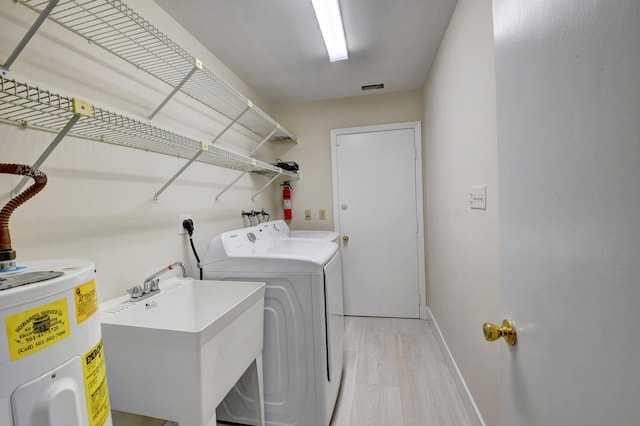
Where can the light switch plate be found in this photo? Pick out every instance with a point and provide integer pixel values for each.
(478, 197)
(307, 214)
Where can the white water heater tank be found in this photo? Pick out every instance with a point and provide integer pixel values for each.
(52, 369)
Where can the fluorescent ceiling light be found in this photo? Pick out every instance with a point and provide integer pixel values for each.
(330, 20)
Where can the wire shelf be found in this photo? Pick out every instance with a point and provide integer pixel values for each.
(115, 27)
(33, 107)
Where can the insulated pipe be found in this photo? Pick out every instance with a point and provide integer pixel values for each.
(7, 254)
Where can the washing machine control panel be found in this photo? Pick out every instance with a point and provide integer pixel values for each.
(254, 239)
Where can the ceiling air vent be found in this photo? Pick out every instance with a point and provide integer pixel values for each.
(373, 87)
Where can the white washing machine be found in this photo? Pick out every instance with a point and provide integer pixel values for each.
(303, 323)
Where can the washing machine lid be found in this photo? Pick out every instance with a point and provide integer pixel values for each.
(250, 245)
(250, 250)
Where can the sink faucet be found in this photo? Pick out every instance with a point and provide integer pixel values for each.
(152, 283)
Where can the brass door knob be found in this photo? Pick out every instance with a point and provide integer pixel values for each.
(345, 239)
(493, 332)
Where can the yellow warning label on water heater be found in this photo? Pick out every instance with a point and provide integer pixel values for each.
(95, 385)
(31, 331)
(86, 300)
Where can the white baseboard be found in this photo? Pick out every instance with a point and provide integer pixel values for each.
(424, 312)
(467, 398)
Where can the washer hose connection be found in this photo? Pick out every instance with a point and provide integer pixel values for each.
(7, 254)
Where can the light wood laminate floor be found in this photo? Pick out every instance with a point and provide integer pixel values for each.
(395, 375)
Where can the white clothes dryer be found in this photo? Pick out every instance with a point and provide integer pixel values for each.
(282, 230)
(303, 323)
(331, 236)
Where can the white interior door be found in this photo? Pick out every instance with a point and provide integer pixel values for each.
(568, 97)
(378, 207)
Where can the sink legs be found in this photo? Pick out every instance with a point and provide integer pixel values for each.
(256, 365)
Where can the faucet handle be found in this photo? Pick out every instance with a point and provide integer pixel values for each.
(135, 291)
(154, 285)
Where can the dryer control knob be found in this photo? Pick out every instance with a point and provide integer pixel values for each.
(252, 237)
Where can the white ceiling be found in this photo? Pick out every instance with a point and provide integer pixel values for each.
(276, 47)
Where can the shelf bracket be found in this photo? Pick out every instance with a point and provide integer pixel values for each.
(203, 147)
(80, 109)
(265, 186)
(196, 67)
(235, 120)
(231, 184)
(264, 141)
(4, 69)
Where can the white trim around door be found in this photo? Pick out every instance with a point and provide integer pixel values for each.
(416, 127)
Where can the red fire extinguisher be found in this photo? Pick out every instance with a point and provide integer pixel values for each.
(286, 200)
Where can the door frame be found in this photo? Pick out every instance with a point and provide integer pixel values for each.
(416, 126)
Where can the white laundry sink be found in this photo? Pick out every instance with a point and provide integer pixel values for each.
(176, 354)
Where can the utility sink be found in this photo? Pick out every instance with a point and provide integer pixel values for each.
(176, 354)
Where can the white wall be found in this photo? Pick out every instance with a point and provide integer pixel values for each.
(460, 150)
(312, 122)
(98, 203)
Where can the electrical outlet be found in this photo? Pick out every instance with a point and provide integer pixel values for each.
(322, 214)
(307, 214)
(182, 218)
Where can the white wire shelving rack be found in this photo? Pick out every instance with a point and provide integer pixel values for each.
(118, 29)
(114, 26)
(32, 107)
